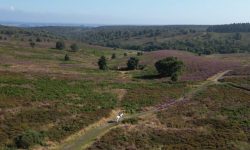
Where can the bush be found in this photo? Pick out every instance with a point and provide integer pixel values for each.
(28, 139)
(60, 45)
(142, 67)
(125, 54)
(133, 63)
(66, 58)
(74, 47)
(38, 40)
(237, 36)
(130, 121)
(113, 56)
(32, 44)
(102, 63)
(175, 77)
(169, 66)
(139, 53)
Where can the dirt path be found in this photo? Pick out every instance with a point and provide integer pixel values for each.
(91, 135)
(219, 75)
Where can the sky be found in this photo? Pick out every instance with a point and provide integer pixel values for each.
(126, 12)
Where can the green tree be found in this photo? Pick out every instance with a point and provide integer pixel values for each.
(66, 57)
(74, 47)
(139, 53)
(113, 56)
(132, 63)
(38, 40)
(237, 36)
(102, 63)
(28, 139)
(60, 45)
(207, 52)
(32, 44)
(169, 66)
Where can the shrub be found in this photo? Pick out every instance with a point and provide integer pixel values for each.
(66, 58)
(74, 47)
(237, 36)
(38, 40)
(133, 63)
(60, 45)
(169, 66)
(32, 44)
(175, 77)
(28, 139)
(130, 121)
(142, 67)
(113, 56)
(102, 63)
(125, 54)
(139, 53)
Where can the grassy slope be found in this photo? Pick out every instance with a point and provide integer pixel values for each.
(92, 134)
(215, 118)
(180, 132)
(37, 82)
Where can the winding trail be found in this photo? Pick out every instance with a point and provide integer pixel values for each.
(85, 140)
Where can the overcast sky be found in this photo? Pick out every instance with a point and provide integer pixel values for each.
(157, 12)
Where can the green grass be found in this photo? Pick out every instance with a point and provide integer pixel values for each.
(79, 101)
(37, 98)
(13, 79)
(78, 95)
(148, 95)
(240, 82)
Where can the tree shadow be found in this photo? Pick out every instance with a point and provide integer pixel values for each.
(123, 69)
(150, 77)
(111, 121)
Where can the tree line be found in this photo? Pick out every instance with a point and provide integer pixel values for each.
(236, 27)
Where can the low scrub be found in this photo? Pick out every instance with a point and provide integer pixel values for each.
(28, 139)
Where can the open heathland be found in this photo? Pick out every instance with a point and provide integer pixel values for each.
(47, 101)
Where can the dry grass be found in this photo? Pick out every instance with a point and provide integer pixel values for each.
(35, 83)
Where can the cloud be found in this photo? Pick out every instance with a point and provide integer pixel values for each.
(12, 8)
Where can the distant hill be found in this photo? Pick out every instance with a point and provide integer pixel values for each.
(194, 38)
(201, 39)
(17, 33)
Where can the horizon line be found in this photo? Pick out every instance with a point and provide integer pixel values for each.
(26, 23)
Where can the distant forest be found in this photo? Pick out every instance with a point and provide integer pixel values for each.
(240, 27)
(197, 39)
(233, 38)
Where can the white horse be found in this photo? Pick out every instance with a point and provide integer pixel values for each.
(119, 117)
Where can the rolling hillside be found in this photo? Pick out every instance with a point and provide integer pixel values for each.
(47, 102)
